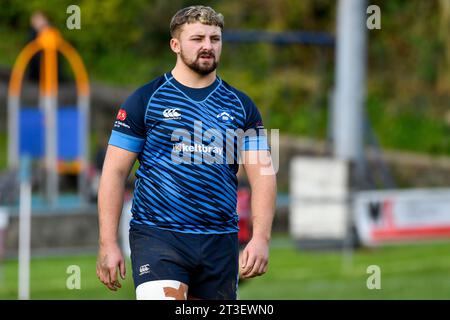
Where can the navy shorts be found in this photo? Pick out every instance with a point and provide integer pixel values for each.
(207, 263)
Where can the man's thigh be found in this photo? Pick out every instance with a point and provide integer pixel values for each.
(216, 278)
(160, 269)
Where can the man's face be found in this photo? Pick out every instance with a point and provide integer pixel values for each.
(200, 47)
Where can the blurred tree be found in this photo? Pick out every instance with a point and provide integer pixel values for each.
(126, 42)
(444, 36)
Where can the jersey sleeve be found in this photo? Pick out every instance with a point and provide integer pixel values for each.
(129, 131)
(255, 137)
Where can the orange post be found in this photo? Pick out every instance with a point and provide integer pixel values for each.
(50, 42)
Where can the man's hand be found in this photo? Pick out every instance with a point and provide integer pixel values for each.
(109, 258)
(254, 258)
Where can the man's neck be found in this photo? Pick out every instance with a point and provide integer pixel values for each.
(192, 79)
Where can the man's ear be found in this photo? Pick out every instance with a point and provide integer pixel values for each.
(175, 45)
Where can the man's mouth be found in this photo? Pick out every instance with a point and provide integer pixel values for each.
(206, 56)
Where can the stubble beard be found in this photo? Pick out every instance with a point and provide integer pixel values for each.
(196, 66)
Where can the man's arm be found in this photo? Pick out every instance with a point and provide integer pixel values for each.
(116, 168)
(262, 179)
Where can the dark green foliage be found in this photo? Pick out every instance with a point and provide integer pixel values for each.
(126, 43)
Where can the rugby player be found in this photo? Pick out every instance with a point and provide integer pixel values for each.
(183, 231)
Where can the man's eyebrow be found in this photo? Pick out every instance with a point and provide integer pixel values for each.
(203, 35)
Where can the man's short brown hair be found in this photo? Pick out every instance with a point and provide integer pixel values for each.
(192, 14)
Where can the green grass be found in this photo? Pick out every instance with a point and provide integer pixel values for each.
(48, 280)
(407, 272)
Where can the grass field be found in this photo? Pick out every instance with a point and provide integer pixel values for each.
(407, 272)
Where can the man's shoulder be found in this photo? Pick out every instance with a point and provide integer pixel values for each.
(148, 89)
(137, 101)
(241, 95)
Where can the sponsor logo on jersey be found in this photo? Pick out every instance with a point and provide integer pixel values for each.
(225, 117)
(121, 115)
(201, 148)
(171, 114)
(118, 124)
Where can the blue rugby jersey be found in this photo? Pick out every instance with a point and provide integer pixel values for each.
(187, 153)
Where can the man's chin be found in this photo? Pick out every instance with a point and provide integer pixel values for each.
(204, 69)
(205, 72)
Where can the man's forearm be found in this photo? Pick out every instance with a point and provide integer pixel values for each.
(110, 202)
(263, 206)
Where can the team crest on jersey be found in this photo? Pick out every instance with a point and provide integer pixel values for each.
(172, 114)
(225, 117)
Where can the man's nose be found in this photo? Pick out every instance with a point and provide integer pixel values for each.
(207, 44)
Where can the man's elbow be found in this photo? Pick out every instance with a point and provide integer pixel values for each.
(116, 174)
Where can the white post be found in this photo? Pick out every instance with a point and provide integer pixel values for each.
(24, 229)
(83, 140)
(348, 107)
(125, 227)
(51, 149)
(4, 221)
(13, 131)
(350, 80)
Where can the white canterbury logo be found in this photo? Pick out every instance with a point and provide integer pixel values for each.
(171, 114)
(144, 269)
